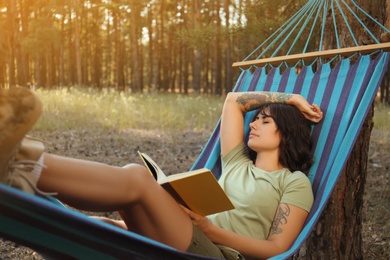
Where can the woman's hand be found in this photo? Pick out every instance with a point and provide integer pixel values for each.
(201, 222)
(310, 112)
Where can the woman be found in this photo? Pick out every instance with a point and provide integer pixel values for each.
(94, 186)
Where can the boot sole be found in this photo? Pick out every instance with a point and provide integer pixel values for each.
(19, 112)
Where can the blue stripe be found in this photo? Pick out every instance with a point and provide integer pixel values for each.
(275, 84)
(319, 142)
(284, 80)
(335, 112)
(292, 78)
(269, 79)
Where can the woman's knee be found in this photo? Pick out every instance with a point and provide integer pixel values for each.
(139, 176)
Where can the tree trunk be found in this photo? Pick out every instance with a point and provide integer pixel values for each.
(157, 81)
(385, 86)
(23, 58)
(218, 53)
(78, 47)
(119, 73)
(61, 61)
(228, 76)
(2, 71)
(11, 12)
(337, 234)
(107, 72)
(135, 48)
(96, 53)
(151, 56)
(197, 63)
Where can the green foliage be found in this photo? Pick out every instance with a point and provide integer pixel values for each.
(382, 117)
(199, 37)
(110, 43)
(77, 108)
(43, 35)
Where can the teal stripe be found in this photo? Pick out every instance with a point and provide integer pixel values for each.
(326, 121)
(307, 82)
(276, 80)
(325, 72)
(263, 78)
(347, 112)
(214, 156)
(248, 77)
(53, 216)
(331, 110)
(49, 240)
(292, 78)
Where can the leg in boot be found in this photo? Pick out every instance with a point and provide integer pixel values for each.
(143, 204)
(19, 110)
(26, 168)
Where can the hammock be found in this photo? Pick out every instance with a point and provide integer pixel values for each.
(344, 92)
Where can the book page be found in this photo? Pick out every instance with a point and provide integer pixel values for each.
(153, 168)
(182, 175)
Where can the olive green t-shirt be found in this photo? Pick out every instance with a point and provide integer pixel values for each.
(256, 194)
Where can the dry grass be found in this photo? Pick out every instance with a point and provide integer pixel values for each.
(376, 227)
(74, 108)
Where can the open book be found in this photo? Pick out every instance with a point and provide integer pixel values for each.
(197, 190)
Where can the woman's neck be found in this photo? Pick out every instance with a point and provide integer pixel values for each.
(268, 161)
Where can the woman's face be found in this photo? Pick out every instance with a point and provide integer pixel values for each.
(264, 135)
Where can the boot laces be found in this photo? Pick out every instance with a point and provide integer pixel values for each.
(22, 169)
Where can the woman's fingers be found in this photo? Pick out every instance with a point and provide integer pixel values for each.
(315, 115)
(318, 113)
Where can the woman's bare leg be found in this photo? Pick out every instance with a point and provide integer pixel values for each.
(145, 207)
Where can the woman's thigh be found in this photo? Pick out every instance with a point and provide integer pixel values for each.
(201, 245)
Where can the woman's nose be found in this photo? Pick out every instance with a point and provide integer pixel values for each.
(252, 125)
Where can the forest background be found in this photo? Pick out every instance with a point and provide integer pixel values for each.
(130, 47)
(169, 46)
(179, 46)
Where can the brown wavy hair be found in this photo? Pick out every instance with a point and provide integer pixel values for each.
(295, 145)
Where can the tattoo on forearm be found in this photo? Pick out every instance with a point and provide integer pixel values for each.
(252, 101)
(280, 218)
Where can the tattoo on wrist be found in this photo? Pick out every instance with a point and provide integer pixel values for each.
(280, 219)
(252, 101)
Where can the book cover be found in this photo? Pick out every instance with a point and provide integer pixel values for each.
(197, 190)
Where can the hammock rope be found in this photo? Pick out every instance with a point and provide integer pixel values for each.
(315, 11)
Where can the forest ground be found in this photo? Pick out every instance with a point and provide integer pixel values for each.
(176, 152)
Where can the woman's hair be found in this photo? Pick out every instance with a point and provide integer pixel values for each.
(295, 145)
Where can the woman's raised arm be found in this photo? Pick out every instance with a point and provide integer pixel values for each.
(238, 103)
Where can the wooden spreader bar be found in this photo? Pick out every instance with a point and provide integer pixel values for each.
(310, 56)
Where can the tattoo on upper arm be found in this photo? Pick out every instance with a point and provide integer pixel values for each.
(252, 101)
(280, 219)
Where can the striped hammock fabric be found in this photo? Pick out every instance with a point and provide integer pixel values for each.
(345, 94)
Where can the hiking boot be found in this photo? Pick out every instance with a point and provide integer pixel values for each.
(19, 110)
(25, 169)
